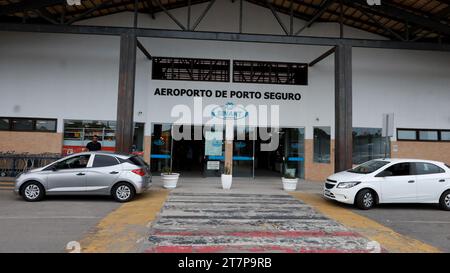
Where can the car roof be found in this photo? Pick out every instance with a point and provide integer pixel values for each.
(400, 160)
(119, 155)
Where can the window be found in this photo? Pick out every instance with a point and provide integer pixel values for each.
(4, 124)
(46, 125)
(76, 162)
(270, 72)
(27, 124)
(188, 69)
(22, 124)
(445, 135)
(428, 135)
(428, 168)
(322, 139)
(423, 135)
(406, 135)
(399, 169)
(368, 144)
(136, 160)
(369, 167)
(104, 161)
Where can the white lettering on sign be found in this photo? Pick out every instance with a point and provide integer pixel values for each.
(74, 2)
(213, 165)
(374, 2)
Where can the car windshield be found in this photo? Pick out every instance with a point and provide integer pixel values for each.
(369, 167)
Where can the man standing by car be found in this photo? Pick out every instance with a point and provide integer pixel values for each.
(94, 145)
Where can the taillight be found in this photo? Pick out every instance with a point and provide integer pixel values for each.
(140, 172)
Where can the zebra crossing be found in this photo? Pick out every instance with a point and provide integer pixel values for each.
(214, 222)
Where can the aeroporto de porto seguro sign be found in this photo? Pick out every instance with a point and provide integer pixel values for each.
(227, 94)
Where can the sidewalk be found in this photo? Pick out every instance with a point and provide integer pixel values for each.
(261, 185)
(6, 183)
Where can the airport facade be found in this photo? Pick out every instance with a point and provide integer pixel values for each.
(58, 90)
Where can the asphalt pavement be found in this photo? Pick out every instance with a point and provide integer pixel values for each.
(49, 225)
(424, 222)
(420, 221)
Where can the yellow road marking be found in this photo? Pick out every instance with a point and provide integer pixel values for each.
(120, 230)
(388, 238)
(6, 188)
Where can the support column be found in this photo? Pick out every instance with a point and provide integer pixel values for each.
(343, 108)
(229, 155)
(125, 100)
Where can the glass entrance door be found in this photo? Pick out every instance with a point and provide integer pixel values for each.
(214, 155)
(244, 152)
(161, 147)
(287, 158)
(293, 140)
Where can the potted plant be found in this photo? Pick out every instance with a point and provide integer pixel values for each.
(169, 178)
(226, 178)
(289, 180)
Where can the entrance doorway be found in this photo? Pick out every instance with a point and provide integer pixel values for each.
(188, 154)
(205, 157)
(286, 159)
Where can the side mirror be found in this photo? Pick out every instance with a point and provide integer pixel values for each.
(384, 174)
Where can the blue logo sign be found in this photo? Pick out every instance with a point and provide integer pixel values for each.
(240, 144)
(295, 145)
(159, 142)
(229, 111)
(216, 143)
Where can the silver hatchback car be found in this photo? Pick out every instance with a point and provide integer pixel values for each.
(89, 173)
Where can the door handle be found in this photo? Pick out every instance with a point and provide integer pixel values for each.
(442, 180)
(114, 172)
(411, 181)
(79, 174)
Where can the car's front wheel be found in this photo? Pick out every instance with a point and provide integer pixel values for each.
(123, 192)
(32, 191)
(444, 201)
(365, 199)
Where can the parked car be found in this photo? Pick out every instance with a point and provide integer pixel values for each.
(89, 173)
(391, 181)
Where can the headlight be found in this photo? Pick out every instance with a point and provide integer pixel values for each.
(347, 185)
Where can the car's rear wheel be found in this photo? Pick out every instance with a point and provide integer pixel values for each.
(444, 201)
(32, 191)
(123, 192)
(365, 199)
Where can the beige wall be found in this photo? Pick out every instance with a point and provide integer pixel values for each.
(439, 151)
(317, 171)
(31, 142)
(229, 155)
(147, 148)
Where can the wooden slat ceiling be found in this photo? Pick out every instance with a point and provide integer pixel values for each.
(396, 19)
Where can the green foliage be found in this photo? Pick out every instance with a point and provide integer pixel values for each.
(166, 170)
(289, 174)
(227, 169)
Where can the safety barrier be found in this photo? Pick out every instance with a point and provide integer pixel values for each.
(12, 164)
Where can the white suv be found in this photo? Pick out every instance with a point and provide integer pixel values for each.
(391, 181)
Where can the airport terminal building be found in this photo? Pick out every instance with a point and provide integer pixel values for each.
(59, 89)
